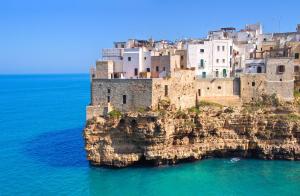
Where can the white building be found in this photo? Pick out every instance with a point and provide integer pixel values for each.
(211, 58)
(135, 61)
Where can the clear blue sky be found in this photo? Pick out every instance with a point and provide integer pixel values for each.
(66, 36)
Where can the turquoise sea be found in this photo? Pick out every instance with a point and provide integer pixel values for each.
(41, 152)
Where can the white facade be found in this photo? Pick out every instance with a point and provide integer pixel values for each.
(211, 58)
(136, 60)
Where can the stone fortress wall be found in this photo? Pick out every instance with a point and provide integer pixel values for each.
(183, 90)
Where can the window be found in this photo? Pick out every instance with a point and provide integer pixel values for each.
(199, 92)
(296, 69)
(201, 63)
(224, 73)
(203, 74)
(124, 99)
(135, 71)
(181, 57)
(217, 73)
(166, 90)
(280, 69)
(157, 68)
(230, 50)
(201, 50)
(296, 55)
(145, 58)
(121, 58)
(223, 60)
(129, 58)
(218, 48)
(223, 48)
(108, 90)
(164, 68)
(253, 83)
(217, 60)
(219, 87)
(108, 99)
(148, 69)
(259, 69)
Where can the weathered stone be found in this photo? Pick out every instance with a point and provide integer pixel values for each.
(152, 139)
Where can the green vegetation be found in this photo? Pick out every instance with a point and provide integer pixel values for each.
(141, 110)
(296, 94)
(115, 114)
(208, 103)
(181, 114)
(290, 117)
(195, 110)
(164, 104)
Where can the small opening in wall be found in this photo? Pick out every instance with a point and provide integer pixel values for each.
(124, 99)
(108, 90)
(252, 98)
(108, 99)
(199, 92)
(157, 68)
(253, 83)
(207, 88)
(280, 69)
(280, 79)
(166, 90)
(135, 71)
(219, 87)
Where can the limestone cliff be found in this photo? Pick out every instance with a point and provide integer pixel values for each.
(172, 136)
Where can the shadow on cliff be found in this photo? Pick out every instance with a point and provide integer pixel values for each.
(61, 148)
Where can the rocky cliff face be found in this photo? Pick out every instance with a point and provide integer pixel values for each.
(171, 137)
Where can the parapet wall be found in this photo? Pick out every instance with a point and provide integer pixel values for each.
(224, 91)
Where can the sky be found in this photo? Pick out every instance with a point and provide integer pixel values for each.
(66, 36)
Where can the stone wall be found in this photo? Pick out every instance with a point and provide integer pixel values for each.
(104, 69)
(280, 83)
(110, 92)
(252, 86)
(224, 91)
(210, 87)
(179, 90)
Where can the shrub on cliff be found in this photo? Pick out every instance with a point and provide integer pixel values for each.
(195, 110)
(115, 114)
(208, 103)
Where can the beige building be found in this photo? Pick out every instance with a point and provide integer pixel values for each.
(278, 79)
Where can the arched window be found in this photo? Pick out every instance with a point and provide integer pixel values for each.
(296, 68)
(280, 69)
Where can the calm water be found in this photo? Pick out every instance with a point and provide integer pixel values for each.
(41, 152)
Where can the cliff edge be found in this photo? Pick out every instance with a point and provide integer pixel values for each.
(264, 131)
